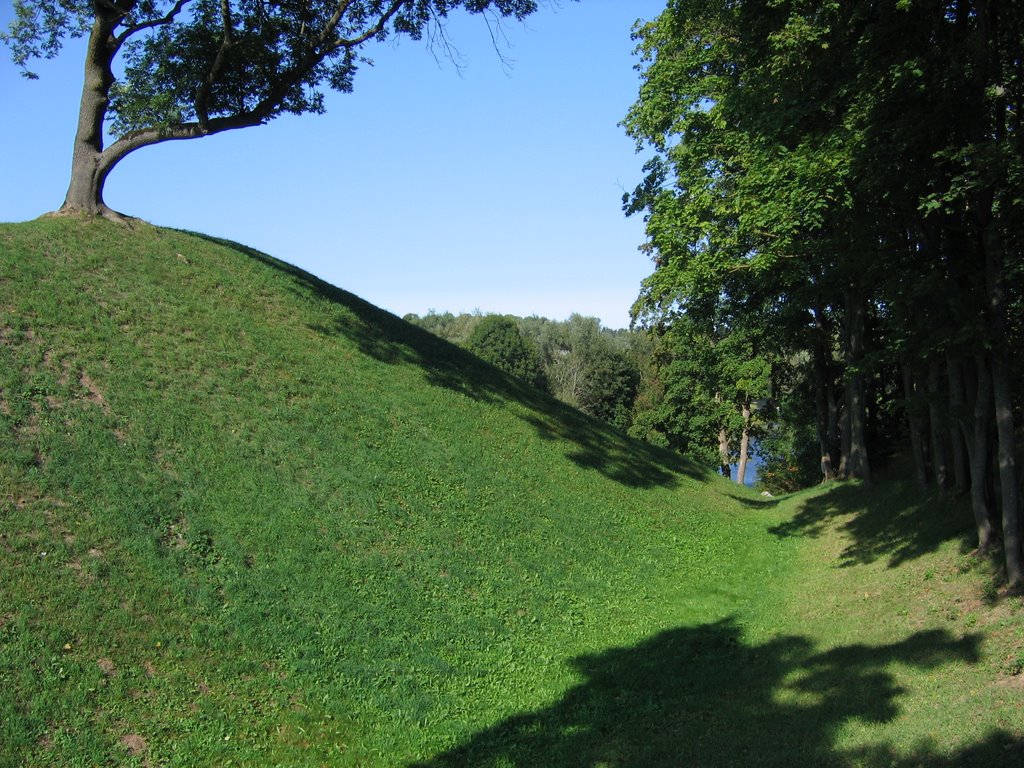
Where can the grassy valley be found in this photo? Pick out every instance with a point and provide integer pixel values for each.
(248, 518)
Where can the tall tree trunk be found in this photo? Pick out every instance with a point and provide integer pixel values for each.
(823, 396)
(843, 424)
(821, 407)
(979, 454)
(961, 471)
(939, 426)
(1008, 474)
(856, 399)
(915, 426)
(89, 168)
(741, 473)
(1003, 402)
(835, 437)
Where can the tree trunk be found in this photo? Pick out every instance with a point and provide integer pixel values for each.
(856, 400)
(978, 450)
(827, 472)
(1003, 402)
(915, 426)
(823, 396)
(843, 423)
(961, 471)
(91, 162)
(88, 167)
(835, 438)
(741, 472)
(939, 427)
(1008, 474)
(723, 451)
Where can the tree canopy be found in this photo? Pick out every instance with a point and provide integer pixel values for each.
(849, 173)
(497, 340)
(186, 69)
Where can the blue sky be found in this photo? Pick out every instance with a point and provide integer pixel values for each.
(487, 187)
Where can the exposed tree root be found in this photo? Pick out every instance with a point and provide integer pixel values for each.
(102, 212)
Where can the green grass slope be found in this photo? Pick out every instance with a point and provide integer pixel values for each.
(247, 518)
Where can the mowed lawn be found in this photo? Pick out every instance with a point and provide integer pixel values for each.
(247, 518)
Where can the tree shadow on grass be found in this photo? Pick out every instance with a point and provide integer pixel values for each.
(893, 520)
(591, 444)
(702, 696)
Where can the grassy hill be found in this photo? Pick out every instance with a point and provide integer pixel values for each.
(247, 518)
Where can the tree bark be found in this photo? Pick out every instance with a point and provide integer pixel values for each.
(88, 171)
(856, 400)
(827, 471)
(1006, 436)
(823, 396)
(741, 472)
(961, 470)
(1003, 403)
(939, 427)
(979, 454)
(723, 451)
(914, 424)
(843, 424)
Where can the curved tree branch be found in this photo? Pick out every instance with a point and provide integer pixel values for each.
(216, 67)
(143, 26)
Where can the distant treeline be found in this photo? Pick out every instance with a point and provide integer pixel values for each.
(636, 381)
(595, 369)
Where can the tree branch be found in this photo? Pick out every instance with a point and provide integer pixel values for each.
(373, 31)
(332, 23)
(226, 42)
(162, 21)
(324, 48)
(146, 137)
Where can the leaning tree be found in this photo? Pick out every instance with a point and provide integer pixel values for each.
(157, 70)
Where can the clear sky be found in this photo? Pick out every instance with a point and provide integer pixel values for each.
(485, 187)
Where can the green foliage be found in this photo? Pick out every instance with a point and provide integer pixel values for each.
(839, 172)
(591, 368)
(497, 340)
(38, 29)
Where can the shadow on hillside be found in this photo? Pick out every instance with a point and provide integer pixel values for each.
(591, 444)
(892, 520)
(701, 696)
(762, 502)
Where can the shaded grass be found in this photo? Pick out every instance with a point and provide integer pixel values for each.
(898, 525)
(247, 517)
(870, 652)
(707, 696)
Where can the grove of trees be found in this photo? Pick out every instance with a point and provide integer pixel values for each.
(833, 203)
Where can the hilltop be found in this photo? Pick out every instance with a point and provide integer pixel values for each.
(249, 517)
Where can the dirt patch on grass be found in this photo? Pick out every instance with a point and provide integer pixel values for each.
(94, 396)
(135, 744)
(175, 535)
